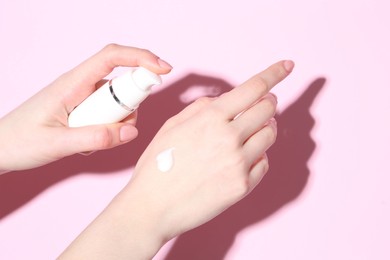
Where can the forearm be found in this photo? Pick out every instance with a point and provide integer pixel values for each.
(124, 230)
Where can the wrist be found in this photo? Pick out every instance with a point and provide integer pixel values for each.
(142, 230)
(126, 229)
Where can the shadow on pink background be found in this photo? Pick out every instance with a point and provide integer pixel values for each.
(286, 179)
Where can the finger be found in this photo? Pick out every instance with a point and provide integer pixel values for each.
(245, 95)
(113, 55)
(258, 143)
(100, 83)
(98, 137)
(258, 171)
(132, 118)
(253, 119)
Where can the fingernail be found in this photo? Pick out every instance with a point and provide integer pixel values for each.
(87, 153)
(163, 64)
(274, 96)
(127, 133)
(288, 65)
(273, 122)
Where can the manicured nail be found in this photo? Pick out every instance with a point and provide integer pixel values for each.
(288, 65)
(127, 133)
(163, 64)
(272, 122)
(274, 96)
(87, 153)
(266, 164)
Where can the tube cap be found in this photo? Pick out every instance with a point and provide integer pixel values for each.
(145, 79)
(134, 86)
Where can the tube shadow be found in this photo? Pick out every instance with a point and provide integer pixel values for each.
(283, 183)
(17, 188)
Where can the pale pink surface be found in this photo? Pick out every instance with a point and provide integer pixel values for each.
(327, 193)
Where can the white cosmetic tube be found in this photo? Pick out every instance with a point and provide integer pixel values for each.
(115, 100)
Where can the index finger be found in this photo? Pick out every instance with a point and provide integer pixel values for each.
(113, 55)
(245, 95)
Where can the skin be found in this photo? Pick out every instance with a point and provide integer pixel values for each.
(50, 108)
(220, 154)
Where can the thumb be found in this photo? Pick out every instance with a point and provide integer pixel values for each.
(98, 137)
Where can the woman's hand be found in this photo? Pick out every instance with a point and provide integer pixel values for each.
(37, 132)
(219, 154)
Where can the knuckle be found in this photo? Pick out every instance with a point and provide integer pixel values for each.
(266, 166)
(103, 138)
(281, 72)
(241, 163)
(223, 95)
(110, 47)
(242, 187)
(269, 106)
(270, 134)
(202, 102)
(260, 85)
(170, 122)
(215, 112)
(232, 135)
(239, 182)
(146, 52)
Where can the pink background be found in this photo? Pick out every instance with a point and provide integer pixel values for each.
(327, 195)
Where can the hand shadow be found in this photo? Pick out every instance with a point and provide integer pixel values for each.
(283, 183)
(18, 188)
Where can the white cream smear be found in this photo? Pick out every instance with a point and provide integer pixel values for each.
(165, 160)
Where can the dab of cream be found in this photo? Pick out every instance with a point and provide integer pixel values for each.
(165, 160)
